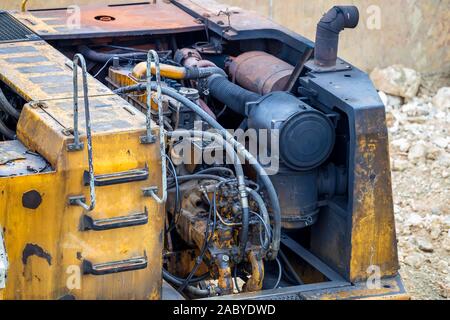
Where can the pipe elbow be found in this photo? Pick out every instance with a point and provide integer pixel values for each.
(339, 18)
(330, 25)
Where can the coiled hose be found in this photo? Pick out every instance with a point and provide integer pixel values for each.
(240, 149)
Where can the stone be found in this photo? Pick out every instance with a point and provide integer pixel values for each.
(441, 142)
(414, 220)
(433, 153)
(425, 245)
(402, 144)
(397, 80)
(417, 152)
(446, 243)
(442, 99)
(399, 165)
(415, 260)
(390, 101)
(384, 98)
(442, 266)
(445, 288)
(416, 108)
(435, 231)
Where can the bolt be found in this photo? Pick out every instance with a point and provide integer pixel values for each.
(225, 258)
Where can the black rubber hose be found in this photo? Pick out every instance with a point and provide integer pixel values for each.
(230, 94)
(7, 132)
(102, 57)
(262, 209)
(262, 174)
(327, 34)
(200, 73)
(190, 289)
(7, 107)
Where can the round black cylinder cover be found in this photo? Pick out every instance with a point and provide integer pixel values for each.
(306, 135)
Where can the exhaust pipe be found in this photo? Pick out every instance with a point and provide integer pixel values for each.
(327, 34)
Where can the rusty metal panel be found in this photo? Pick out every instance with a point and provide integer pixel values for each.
(37, 71)
(109, 114)
(103, 21)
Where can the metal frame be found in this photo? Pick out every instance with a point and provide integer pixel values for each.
(77, 145)
(149, 138)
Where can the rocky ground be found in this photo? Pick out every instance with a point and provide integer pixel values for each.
(419, 125)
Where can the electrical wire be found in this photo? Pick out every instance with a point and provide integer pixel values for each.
(177, 209)
(280, 273)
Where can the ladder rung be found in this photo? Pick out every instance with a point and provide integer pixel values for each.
(115, 266)
(117, 177)
(88, 223)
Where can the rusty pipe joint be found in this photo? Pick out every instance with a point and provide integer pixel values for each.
(225, 279)
(327, 35)
(255, 282)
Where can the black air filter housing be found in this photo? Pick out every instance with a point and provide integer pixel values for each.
(306, 135)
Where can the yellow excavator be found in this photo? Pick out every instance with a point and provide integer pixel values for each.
(183, 150)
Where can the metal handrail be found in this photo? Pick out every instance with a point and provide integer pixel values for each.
(77, 145)
(152, 56)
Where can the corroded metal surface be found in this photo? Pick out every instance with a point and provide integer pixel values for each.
(16, 159)
(37, 71)
(260, 72)
(103, 21)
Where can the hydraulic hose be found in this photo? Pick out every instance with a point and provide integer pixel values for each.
(8, 133)
(177, 73)
(272, 194)
(105, 57)
(7, 107)
(230, 94)
(190, 289)
(262, 208)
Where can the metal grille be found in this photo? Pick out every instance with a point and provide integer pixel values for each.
(12, 30)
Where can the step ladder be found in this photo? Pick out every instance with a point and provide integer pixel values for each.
(89, 222)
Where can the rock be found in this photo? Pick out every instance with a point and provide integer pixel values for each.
(399, 165)
(442, 99)
(415, 260)
(390, 101)
(414, 220)
(416, 108)
(425, 245)
(446, 223)
(402, 144)
(446, 243)
(394, 101)
(442, 266)
(444, 160)
(441, 142)
(445, 288)
(384, 98)
(433, 153)
(397, 80)
(435, 231)
(417, 152)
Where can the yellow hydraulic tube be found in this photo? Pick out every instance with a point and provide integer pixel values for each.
(167, 71)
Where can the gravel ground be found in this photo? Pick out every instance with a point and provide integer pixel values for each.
(420, 160)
